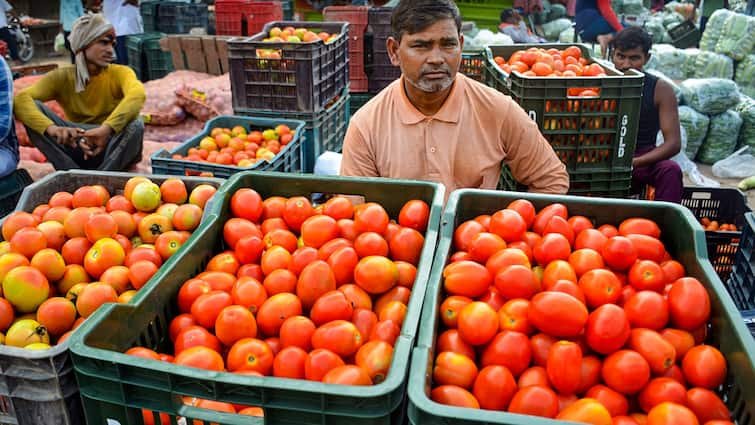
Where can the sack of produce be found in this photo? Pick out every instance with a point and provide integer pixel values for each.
(207, 99)
(557, 11)
(690, 61)
(714, 29)
(553, 29)
(161, 106)
(672, 19)
(567, 36)
(746, 110)
(654, 27)
(695, 125)
(745, 75)
(713, 65)
(668, 60)
(722, 137)
(632, 7)
(738, 37)
(710, 95)
(667, 80)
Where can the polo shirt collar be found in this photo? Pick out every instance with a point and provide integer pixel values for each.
(449, 112)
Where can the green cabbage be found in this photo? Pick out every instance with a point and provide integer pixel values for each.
(738, 37)
(722, 137)
(714, 29)
(746, 110)
(696, 126)
(553, 29)
(654, 27)
(710, 95)
(745, 76)
(668, 60)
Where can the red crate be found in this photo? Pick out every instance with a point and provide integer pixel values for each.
(260, 13)
(357, 17)
(227, 22)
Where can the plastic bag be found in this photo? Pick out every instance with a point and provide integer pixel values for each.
(486, 37)
(710, 96)
(668, 60)
(552, 30)
(695, 126)
(161, 106)
(567, 36)
(738, 165)
(746, 110)
(745, 75)
(722, 137)
(687, 166)
(738, 37)
(60, 43)
(714, 29)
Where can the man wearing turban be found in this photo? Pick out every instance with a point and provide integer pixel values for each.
(101, 99)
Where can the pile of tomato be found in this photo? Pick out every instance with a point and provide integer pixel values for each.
(545, 315)
(316, 293)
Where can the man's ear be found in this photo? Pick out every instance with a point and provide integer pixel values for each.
(392, 45)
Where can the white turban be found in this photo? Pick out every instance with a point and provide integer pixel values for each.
(84, 32)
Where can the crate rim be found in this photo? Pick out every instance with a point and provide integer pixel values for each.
(257, 38)
(425, 338)
(393, 380)
(298, 137)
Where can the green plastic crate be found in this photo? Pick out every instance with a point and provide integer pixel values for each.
(357, 100)
(148, 10)
(590, 135)
(473, 65)
(324, 130)
(116, 386)
(146, 57)
(289, 159)
(39, 387)
(684, 240)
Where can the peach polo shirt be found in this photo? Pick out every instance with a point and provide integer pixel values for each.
(462, 146)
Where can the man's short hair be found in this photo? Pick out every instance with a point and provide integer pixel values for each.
(631, 38)
(413, 16)
(507, 14)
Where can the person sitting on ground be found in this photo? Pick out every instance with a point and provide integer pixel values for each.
(596, 22)
(513, 25)
(101, 99)
(659, 111)
(8, 139)
(434, 123)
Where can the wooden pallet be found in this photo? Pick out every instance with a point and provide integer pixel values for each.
(205, 53)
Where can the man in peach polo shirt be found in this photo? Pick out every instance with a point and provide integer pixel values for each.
(435, 124)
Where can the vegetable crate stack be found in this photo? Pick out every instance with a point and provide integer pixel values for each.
(357, 17)
(300, 345)
(295, 72)
(245, 17)
(146, 57)
(589, 113)
(179, 18)
(380, 71)
(721, 212)
(741, 283)
(71, 246)
(586, 310)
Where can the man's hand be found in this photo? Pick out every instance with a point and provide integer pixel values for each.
(95, 140)
(66, 136)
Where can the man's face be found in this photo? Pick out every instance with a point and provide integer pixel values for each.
(430, 58)
(102, 51)
(625, 60)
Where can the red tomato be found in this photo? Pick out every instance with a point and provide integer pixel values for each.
(466, 278)
(659, 390)
(451, 341)
(608, 230)
(525, 209)
(484, 245)
(647, 309)
(689, 304)
(450, 308)
(517, 281)
(454, 369)
(648, 248)
(579, 223)
(464, 234)
(639, 226)
(590, 238)
(668, 413)
(553, 246)
(647, 275)
(564, 367)
(619, 253)
(536, 375)
(615, 402)
(370, 217)
(585, 259)
(541, 346)
(607, 329)
(706, 405)
(297, 209)
(477, 323)
(543, 217)
(453, 395)
(246, 203)
(494, 387)
(510, 349)
(319, 362)
(535, 401)
(508, 224)
(559, 224)
(658, 352)
(586, 410)
(600, 287)
(414, 214)
(589, 373)
(557, 314)
(704, 366)
(512, 316)
(626, 371)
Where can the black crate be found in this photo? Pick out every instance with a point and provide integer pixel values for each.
(11, 187)
(148, 11)
(724, 206)
(473, 65)
(180, 18)
(741, 283)
(685, 35)
(145, 56)
(380, 72)
(305, 78)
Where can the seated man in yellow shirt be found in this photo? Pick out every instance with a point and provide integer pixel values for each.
(101, 99)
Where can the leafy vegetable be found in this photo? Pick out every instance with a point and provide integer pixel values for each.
(722, 137)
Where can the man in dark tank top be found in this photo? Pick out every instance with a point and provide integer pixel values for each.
(652, 165)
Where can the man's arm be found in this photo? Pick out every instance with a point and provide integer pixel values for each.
(132, 102)
(43, 90)
(531, 158)
(668, 114)
(358, 156)
(604, 6)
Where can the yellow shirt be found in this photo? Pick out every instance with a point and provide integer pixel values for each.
(113, 97)
(462, 146)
